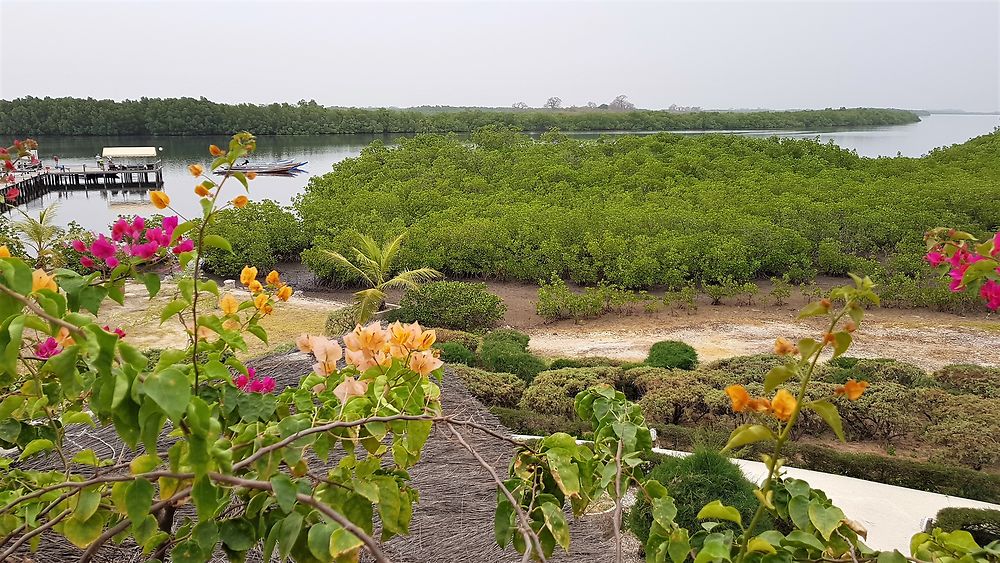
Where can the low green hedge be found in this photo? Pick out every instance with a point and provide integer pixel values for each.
(526, 421)
(508, 335)
(492, 389)
(672, 354)
(506, 351)
(585, 362)
(967, 378)
(452, 304)
(554, 391)
(455, 353)
(467, 339)
(982, 523)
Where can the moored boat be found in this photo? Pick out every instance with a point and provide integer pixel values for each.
(277, 167)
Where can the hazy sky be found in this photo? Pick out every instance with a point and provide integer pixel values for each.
(710, 54)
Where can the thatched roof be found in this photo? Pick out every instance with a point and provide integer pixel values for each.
(453, 522)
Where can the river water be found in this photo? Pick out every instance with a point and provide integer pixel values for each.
(96, 209)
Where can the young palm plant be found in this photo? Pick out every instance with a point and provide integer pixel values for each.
(40, 235)
(374, 265)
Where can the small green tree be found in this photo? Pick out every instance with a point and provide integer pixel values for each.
(374, 265)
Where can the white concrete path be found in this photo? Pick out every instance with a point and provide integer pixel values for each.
(891, 514)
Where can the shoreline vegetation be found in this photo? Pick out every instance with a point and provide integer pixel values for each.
(189, 116)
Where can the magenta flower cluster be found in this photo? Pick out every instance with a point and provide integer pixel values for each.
(958, 263)
(131, 238)
(251, 384)
(48, 348)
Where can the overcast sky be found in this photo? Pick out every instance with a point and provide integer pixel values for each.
(921, 55)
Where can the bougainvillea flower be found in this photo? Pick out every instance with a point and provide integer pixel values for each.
(935, 259)
(63, 337)
(118, 331)
(201, 191)
(261, 300)
(187, 245)
(240, 201)
(251, 175)
(784, 347)
(304, 342)
(8, 165)
(169, 225)
(783, 404)
(369, 339)
(759, 404)
(852, 389)
(42, 280)
(160, 199)
(349, 388)
(327, 353)
(111, 261)
(119, 229)
(4, 251)
(102, 249)
(195, 170)
(359, 359)
(250, 383)
(990, 292)
(214, 150)
(144, 251)
(425, 362)
(86, 262)
(285, 292)
(48, 348)
(79, 246)
(255, 287)
(12, 193)
(248, 275)
(229, 304)
(996, 244)
(739, 397)
(273, 278)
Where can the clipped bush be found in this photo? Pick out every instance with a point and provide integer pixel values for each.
(553, 391)
(585, 362)
(524, 421)
(492, 389)
(341, 321)
(694, 481)
(751, 368)
(884, 413)
(501, 356)
(467, 339)
(508, 335)
(451, 304)
(879, 370)
(455, 353)
(672, 354)
(982, 523)
(967, 378)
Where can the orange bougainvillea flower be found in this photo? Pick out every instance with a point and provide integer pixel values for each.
(160, 199)
(42, 280)
(248, 274)
(240, 201)
(231, 324)
(327, 353)
(759, 404)
(4, 251)
(852, 389)
(273, 278)
(369, 339)
(784, 347)
(829, 338)
(251, 175)
(783, 404)
(261, 301)
(229, 304)
(201, 190)
(63, 337)
(285, 292)
(215, 150)
(739, 396)
(195, 170)
(850, 326)
(424, 363)
(255, 287)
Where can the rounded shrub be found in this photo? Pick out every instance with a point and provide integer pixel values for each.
(492, 389)
(693, 482)
(672, 354)
(508, 335)
(967, 378)
(586, 362)
(341, 321)
(451, 304)
(455, 353)
(982, 523)
(747, 369)
(511, 358)
(554, 391)
(467, 339)
(262, 233)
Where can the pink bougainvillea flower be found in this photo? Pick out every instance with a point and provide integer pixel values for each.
(185, 246)
(156, 236)
(935, 258)
(50, 347)
(102, 249)
(990, 291)
(996, 244)
(79, 246)
(86, 262)
(118, 331)
(112, 262)
(12, 193)
(119, 230)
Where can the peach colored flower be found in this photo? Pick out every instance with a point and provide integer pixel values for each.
(4, 251)
(261, 301)
(759, 404)
(424, 363)
(231, 324)
(42, 280)
(852, 389)
(349, 388)
(285, 292)
(63, 337)
(160, 199)
(215, 150)
(784, 347)
(273, 278)
(229, 304)
(739, 397)
(305, 343)
(255, 287)
(251, 175)
(327, 353)
(195, 170)
(370, 339)
(248, 275)
(201, 190)
(783, 404)
(240, 201)
(359, 359)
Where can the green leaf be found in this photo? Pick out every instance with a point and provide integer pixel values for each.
(172, 308)
(285, 491)
(893, 556)
(841, 342)
(715, 510)
(808, 347)
(777, 376)
(216, 241)
(188, 551)
(143, 464)
(664, 511)
(77, 417)
(798, 538)
(503, 523)
(318, 541)
(16, 275)
(825, 518)
(35, 446)
(760, 545)
(798, 511)
(86, 457)
(831, 415)
(88, 501)
(152, 283)
(83, 533)
(555, 521)
(171, 390)
(748, 434)
(206, 533)
(242, 178)
(814, 309)
(237, 534)
(717, 547)
(205, 496)
(138, 499)
(342, 541)
(289, 533)
(679, 547)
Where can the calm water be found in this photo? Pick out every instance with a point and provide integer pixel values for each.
(95, 209)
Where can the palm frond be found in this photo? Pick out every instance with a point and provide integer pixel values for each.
(412, 278)
(389, 251)
(369, 302)
(339, 258)
(375, 272)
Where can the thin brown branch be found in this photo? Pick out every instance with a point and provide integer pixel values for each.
(125, 523)
(530, 537)
(616, 520)
(34, 308)
(58, 518)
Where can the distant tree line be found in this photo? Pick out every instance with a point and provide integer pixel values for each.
(189, 116)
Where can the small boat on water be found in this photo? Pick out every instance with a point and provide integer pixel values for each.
(284, 166)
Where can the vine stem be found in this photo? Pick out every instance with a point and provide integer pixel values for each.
(616, 520)
(197, 273)
(786, 432)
